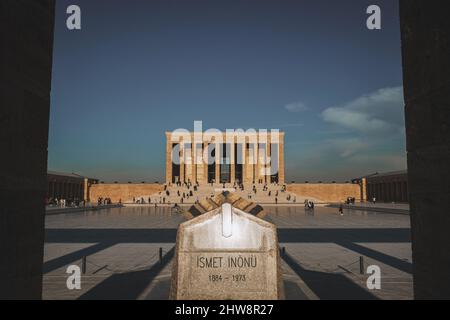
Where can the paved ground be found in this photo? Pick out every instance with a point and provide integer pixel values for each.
(321, 261)
(391, 207)
(386, 205)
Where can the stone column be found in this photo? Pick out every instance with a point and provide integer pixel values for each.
(397, 191)
(68, 190)
(205, 163)
(245, 168)
(218, 155)
(404, 192)
(254, 163)
(168, 157)
(363, 189)
(380, 192)
(232, 162)
(267, 161)
(53, 189)
(249, 161)
(25, 81)
(188, 161)
(245, 161)
(86, 190)
(425, 30)
(281, 159)
(259, 164)
(182, 161)
(194, 161)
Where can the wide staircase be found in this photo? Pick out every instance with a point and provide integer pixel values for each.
(265, 194)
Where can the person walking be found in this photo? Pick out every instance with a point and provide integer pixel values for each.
(341, 209)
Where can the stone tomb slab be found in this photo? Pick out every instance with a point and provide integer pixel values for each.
(227, 254)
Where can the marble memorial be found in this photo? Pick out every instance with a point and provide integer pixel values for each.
(226, 253)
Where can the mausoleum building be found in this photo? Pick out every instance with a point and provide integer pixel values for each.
(229, 157)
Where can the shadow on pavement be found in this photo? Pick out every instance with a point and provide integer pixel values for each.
(91, 235)
(319, 235)
(158, 235)
(325, 285)
(127, 286)
(70, 258)
(399, 264)
(293, 292)
(328, 286)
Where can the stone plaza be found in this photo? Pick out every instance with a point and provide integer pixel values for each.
(321, 252)
(225, 225)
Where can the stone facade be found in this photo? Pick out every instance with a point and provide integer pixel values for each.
(68, 186)
(388, 187)
(225, 157)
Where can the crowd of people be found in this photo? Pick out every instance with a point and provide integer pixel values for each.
(104, 201)
(165, 194)
(63, 203)
(75, 203)
(187, 192)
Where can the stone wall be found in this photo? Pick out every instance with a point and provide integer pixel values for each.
(122, 191)
(327, 192)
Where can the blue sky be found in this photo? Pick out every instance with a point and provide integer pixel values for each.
(310, 68)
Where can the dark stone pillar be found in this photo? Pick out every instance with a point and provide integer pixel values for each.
(425, 28)
(26, 37)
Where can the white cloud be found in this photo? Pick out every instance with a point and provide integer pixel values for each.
(378, 112)
(364, 135)
(342, 148)
(296, 107)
